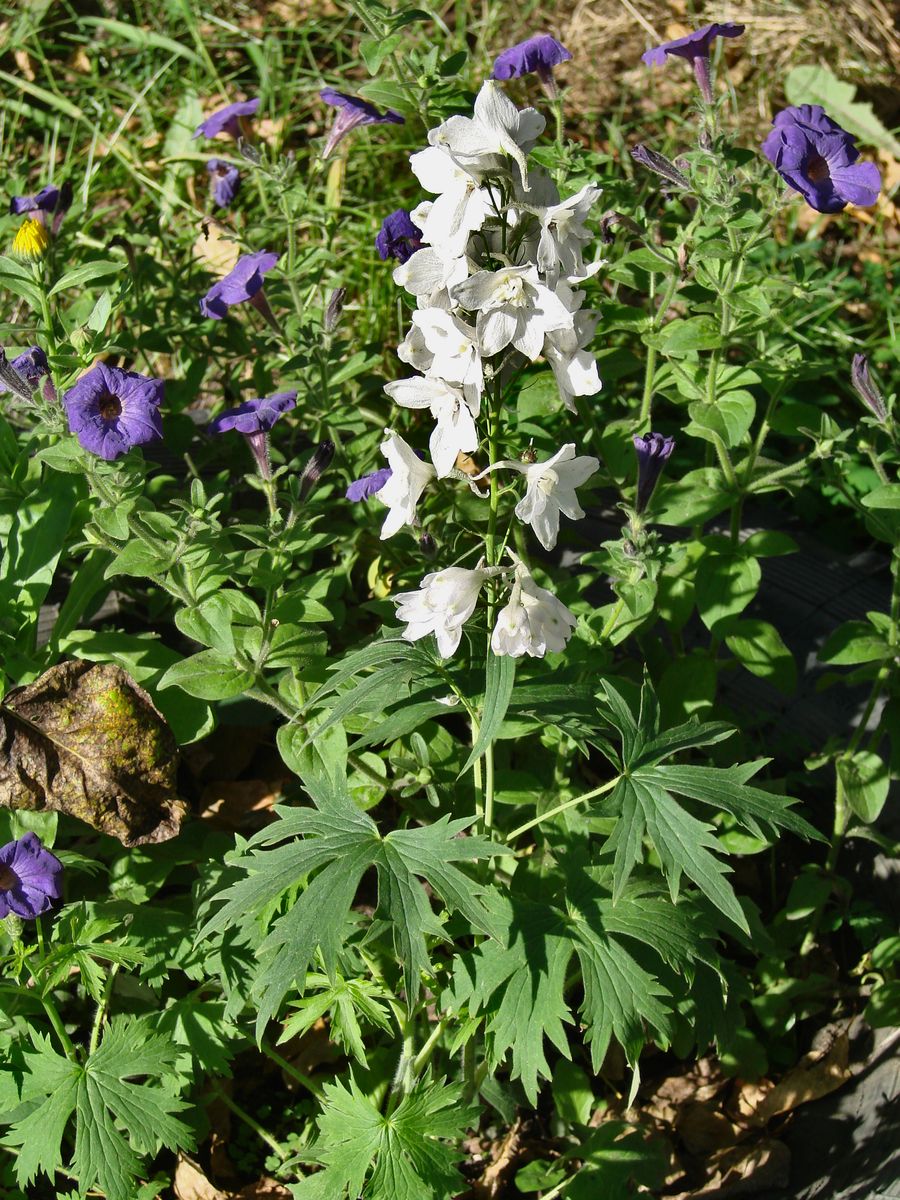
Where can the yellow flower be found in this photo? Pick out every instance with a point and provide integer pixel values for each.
(31, 241)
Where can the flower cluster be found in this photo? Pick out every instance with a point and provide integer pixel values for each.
(496, 279)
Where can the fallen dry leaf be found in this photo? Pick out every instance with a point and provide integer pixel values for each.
(817, 1074)
(759, 1169)
(239, 803)
(493, 1177)
(191, 1184)
(704, 1130)
(216, 248)
(84, 739)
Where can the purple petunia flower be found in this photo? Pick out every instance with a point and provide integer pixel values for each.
(226, 179)
(112, 410)
(29, 368)
(244, 282)
(30, 878)
(49, 199)
(694, 47)
(227, 119)
(353, 111)
(653, 452)
(817, 158)
(368, 485)
(254, 419)
(399, 237)
(538, 54)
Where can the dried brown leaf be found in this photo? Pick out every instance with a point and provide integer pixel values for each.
(815, 1075)
(84, 739)
(191, 1184)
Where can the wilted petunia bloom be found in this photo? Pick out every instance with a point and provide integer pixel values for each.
(242, 283)
(254, 419)
(226, 179)
(653, 452)
(112, 410)
(367, 485)
(538, 54)
(227, 119)
(353, 111)
(817, 158)
(30, 878)
(49, 199)
(694, 47)
(398, 237)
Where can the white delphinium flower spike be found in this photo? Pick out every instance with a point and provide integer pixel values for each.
(513, 307)
(427, 272)
(409, 478)
(462, 205)
(455, 430)
(453, 347)
(563, 235)
(550, 490)
(533, 621)
(496, 127)
(574, 367)
(442, 605)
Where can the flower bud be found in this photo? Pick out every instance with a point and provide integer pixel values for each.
(315, 468)
(428, 545)
(11, 379)
(610, 220)
(866, 389)
(31, 241)
(334, 309)
(653, 452)
(660, 165)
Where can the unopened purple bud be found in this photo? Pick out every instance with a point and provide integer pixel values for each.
(653, 452)
(610, 220)
(660, 165)
(428, 545)
(316, 468)
(866, 389)
(334, 310)
(11, 379)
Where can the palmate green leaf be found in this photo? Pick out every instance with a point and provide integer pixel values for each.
(116, 1119)
(329, 850)
(643, 801)
(345, 1001)
(397, 1156)
(519, 980)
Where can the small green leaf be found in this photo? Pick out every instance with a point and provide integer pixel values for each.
(208, 675)
(866, 781)
(726, 583)
(86, 273)
(500, 675)
(759, 647)
(685, 336)
(855, 642)
(887, 496)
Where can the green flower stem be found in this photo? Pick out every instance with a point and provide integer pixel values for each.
(262, 1133)
(291, 254)
(659, 316)
(46, 315)
(102, 1008)
(49, 1007)
(764, 481)
(299, 1076)
(612, 620)
(423, 1058)
(561, 808)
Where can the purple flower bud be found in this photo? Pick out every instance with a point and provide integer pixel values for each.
(866, 389)
(817, 158)
(428, 545)
(353, 111)
(610, 220)
(30, 878)
(660, 165)
(227, 119)
(226, 179)
(368, 485)
(334, 309)
(653, 452)
(399, 237)
(316, 468)
(112, 410)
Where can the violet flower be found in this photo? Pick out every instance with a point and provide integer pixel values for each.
(30, 878)
(24, 373)
(227, 119)
(399, 237)
(242, 283)
(538, 54)
(226, 179)
(866, 388)
(817, 158)
(368, 485)
(254, 419)
(694, 47)
(353, 111)
(653, 452)
(50, 200)
(112, 410)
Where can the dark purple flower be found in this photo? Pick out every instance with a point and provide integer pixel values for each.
(226, 179)
(24, 373)
(30, 878)
(694, 47)
(818, 159)
(653, 451)
(368, 485)
(254, 419)
(227, 119)
(538, 54)
(112, 410)
(353, 111)
(399, 237)
(49, 199)
(867, 389)
(242, 283)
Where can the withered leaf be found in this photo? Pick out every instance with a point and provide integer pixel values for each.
(84, 739)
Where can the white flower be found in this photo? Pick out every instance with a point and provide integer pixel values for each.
(514, 307)
(497, 127)
(461, 207)
(427, 272)
(455, 430)
(575, 369)
(409, 478)
(445, 601)
(452, 345)
(533, 621)
(563, 233)
(550, 490)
